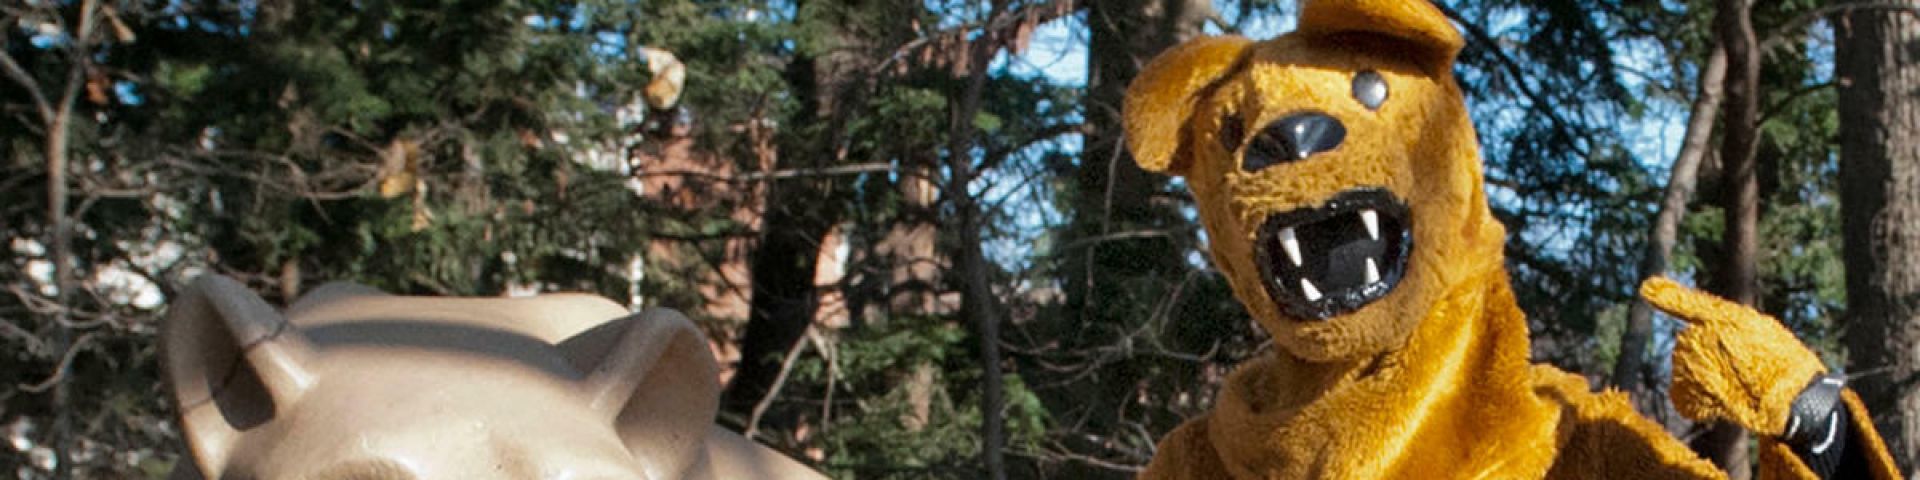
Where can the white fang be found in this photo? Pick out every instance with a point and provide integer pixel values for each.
(1373, 272)
(1372, 219)
(1307, 288)
(1292, 244)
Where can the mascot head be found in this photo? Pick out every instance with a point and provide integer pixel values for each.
(1335, 169)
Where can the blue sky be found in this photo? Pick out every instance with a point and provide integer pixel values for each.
(1059, 53)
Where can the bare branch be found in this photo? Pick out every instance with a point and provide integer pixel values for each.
(60, 371)
(791, 173)
(1090, 460)
(33, 302)
(1117, 236)
(78, 53)
(34, 344)
(828, 353)
(26, 82)
(1038, 13)
(779, 383)
(1536, 101)
(1778, 105)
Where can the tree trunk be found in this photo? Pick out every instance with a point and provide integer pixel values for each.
(1113, 281)
(1878, 65)
(58, 118)
(61, 246)
(1113, 194)
(910, 250)
(977, 303)
(1740, 188)
(783, 300)
(1630, 370)
(800, 212)
(1737, 277)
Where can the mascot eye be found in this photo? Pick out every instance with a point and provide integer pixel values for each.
(1370, 89)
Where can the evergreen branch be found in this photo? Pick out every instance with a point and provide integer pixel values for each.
(1778, 105)
(1778, 38)
(1513, 69)
(1240, 20)
(1050, 132)
(1123, 235)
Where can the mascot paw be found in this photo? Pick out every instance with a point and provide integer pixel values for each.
(1732, 363)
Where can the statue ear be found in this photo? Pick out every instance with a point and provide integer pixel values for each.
(1161, 98)
(653, 377)
(234, 364)
(1420, 25)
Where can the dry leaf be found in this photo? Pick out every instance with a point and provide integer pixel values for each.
(669, 78)
(422, 216)
(400, 169)
(97, 85)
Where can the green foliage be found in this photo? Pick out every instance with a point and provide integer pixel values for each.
(1802, 273)
(904, 403)
(1547, 97)
(252, 138)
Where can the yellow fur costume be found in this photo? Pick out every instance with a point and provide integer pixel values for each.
(1339, 178)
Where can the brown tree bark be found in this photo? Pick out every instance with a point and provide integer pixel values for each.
(1630, 370)
(1877, 63)
(800, 212)
(910, 249)
(1113, 193)
(1114, 247)
(910, 246)
(1736, 276)
(61, 242)
(977, 303)
(57, 116)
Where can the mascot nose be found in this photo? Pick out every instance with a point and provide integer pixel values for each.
(1294, 138)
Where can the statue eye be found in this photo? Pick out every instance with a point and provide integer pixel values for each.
(1370, 89)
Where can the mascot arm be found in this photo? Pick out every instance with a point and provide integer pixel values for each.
(1736, 364)
(1602, 437)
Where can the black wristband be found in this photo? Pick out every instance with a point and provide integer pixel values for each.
(1817, 425)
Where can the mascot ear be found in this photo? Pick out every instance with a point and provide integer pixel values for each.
(1161, 98)
(1417, 23)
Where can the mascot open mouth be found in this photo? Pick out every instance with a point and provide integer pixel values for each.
(1321, 262)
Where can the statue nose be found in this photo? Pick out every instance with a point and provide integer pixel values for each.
(1294, 138)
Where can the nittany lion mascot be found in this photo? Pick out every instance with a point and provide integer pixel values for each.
(1338, 178)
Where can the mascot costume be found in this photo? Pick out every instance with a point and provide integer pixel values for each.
(1337, 174)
